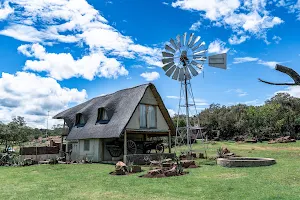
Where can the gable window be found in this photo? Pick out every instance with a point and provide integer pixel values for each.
(143, 116)
(148, 116)
(80, 121)
(102, 117)
(86, 145)
(152, 116)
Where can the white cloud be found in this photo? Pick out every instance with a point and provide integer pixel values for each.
(270, 64)
(214, 9)
(171, 112)
(5, 10)
(235, 40)
(195, 26)
(246, 18)
(276, 39)
(295, 9)
(293, 91)
(63, 65)
(64, 21)
(31, 96)
(165, 3)
(244, 59)
(150, 76)
(239, 92)
(217, 46)
(172, 97)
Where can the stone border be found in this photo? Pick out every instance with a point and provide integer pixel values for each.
(245, 162)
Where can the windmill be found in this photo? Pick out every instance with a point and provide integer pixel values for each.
(183, 59)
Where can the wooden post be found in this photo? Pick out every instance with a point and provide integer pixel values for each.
(170, 141)
(102, 149)
(62, 140)
(125, 146)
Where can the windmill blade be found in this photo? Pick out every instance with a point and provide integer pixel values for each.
(176, 73)
(171, 70)
(181, 74)
(167, 60)
(168, 66)
(173, 43)
(168, 48)
(193, 71)
(184, 39)
(198, 65)
(200, 44)
(178, 41)
(195, 41)
(218, 61)
(199, 57)
(190, 39)
(200, 52)
(166, 54)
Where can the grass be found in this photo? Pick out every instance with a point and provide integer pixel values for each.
(92, 181)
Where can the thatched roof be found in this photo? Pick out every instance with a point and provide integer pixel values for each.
(120, 107)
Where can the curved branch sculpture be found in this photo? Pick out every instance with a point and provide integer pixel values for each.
(290, 72)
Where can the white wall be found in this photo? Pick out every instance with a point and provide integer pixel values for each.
(148, 98)
(78, 151)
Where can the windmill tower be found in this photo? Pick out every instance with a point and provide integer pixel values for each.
(183, 59)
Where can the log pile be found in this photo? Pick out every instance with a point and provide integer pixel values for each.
(286, 139)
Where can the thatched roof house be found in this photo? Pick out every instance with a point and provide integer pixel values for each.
(138, 112)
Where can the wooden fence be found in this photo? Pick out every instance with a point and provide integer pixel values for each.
(39, 150)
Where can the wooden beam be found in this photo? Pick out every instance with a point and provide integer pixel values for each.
(125, 146)
(102, 141)
(62, 140)
(170, 142)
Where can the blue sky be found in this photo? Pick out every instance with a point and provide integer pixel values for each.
(58, 53)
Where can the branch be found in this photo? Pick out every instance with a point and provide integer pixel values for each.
(286, 70)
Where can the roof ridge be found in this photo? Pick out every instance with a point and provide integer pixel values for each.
(123, 90)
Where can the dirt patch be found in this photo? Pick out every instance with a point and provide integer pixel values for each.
(160, 175)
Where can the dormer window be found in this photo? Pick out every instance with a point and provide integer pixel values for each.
(102, 116)
(80, 121)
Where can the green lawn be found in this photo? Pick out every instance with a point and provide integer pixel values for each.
(92, 181)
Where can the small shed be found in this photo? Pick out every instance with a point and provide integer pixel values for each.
(130, 121)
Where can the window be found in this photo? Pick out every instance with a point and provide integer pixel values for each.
(143, 116)
(148, 116)
(102, 117)
(86, 145)
(152, 116)
(80, 121)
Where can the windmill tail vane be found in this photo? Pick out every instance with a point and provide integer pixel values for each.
(183, 59)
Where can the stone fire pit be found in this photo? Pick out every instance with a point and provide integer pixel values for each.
(245, 162)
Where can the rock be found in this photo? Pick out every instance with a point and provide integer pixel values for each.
(155, 172)
(169, 164)
(136, 169)
(154, 163)
(225, 150)
(120, 165)
(182, 157)
(193, 166)
(187, 163)
(167, 160)
(171, 172)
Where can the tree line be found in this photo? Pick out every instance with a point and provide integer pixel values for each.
(278, 116)
(16, 132)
